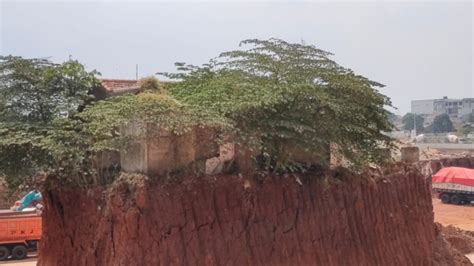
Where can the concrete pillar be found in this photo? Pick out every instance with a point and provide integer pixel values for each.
(410, 154)
(154, 151)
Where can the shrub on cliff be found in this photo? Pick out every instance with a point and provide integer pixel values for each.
(50, 121)
(275, 92)
(103, 120)
(150, 84)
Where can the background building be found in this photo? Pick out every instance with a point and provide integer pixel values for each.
(422, 107)
(457, 109)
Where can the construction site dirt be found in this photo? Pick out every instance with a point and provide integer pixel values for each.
(461, 216)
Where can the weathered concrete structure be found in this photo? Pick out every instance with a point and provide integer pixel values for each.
(410, 154)
(154, 151)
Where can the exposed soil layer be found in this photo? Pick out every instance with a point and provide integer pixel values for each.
(230, 220)
(445, 251)
(460, 239)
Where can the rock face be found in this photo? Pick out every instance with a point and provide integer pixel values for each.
(450, 246)
(230, 220)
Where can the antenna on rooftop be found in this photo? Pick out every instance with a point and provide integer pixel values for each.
(136, 71)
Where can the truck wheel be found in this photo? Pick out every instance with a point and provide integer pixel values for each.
(445, 198)
(19, 252)
(4, 253)
(456, 199)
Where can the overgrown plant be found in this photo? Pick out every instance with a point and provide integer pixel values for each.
(150, 84)
(442, 124)
(267, 97)
(104, 121)
(39, 101)
(51, 123)
(275, 92)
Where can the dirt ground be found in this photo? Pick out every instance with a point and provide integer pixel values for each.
(461, 216)
(31, 261)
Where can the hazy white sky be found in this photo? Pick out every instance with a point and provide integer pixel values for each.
(419, 50)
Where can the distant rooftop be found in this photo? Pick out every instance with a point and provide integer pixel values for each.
(119, 85)
(114, 87)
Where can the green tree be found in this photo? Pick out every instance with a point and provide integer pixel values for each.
(467, 129)
(50, 121)
(276, 91)
(442, 124)
(408, 122)
(38, 103)
(470, 117)
(393, 118)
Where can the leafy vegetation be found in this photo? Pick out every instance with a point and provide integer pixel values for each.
(50, 122)
(276, 91)
(470, 117)
(265, 97)
(442, 124)
(103, 120)
(409, 121)
(150, 84)
(467, 129)
(39, 102)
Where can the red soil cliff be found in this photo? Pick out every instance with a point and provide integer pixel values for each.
(228, 220)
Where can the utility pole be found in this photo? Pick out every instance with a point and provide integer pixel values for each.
(414, 124)
(136, 71)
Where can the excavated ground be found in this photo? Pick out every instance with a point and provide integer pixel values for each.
(230, 220)
(461, 216)
(447, 248)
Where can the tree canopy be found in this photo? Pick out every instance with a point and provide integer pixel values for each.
(275, 91)
(470, 117)
(408, 122)
(467, 129)
(263, 97)
(51, 122)
(38, 100)
(442, 124)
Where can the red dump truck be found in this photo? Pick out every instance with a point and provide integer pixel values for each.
(20, 232)
(454, 185)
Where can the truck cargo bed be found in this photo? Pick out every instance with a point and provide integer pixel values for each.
(451, 187)
(19, 227)
(24, 213)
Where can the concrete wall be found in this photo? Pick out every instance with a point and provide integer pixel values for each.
(154, 151)
(446, 146)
